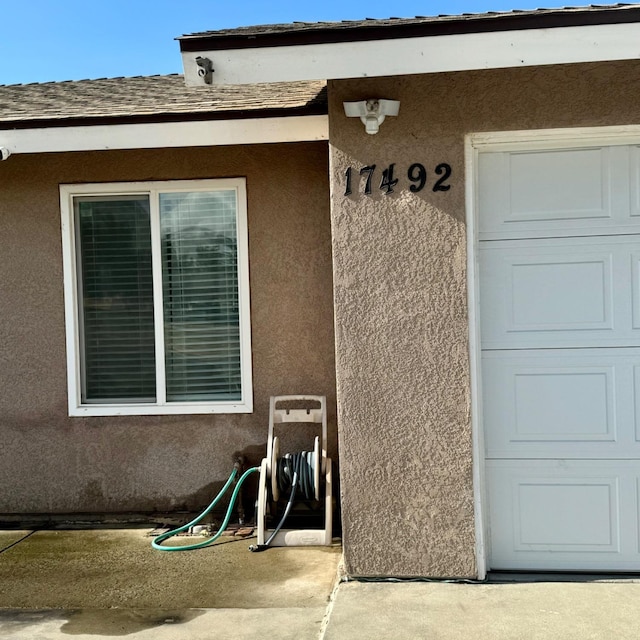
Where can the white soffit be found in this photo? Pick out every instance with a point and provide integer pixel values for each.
(166, 134)
(428, 54)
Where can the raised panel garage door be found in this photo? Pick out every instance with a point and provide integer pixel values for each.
(559, 255)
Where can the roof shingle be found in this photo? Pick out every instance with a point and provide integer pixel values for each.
(152, 98)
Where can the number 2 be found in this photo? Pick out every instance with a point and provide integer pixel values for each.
(442, 168)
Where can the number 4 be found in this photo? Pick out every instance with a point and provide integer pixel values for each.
(388, 181)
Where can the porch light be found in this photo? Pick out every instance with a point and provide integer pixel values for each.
(372, 112)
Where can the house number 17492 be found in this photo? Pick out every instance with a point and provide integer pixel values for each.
(417, 174)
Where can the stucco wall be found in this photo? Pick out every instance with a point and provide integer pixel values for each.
(50, 463)
(400, 300)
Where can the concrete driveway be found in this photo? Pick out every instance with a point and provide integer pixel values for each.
(516, 611)
(105, 583)
(108, 583)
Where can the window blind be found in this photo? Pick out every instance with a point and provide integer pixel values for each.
(117, 325)
(200, 295)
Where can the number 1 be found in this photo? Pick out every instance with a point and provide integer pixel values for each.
(347, 189)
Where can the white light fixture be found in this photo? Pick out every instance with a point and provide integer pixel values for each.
(372, 112)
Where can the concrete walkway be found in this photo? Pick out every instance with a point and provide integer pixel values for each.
(529, 611)
(103, 584)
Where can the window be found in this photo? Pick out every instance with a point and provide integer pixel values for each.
(157, 297)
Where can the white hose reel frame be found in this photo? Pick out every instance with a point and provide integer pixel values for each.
(288, 418)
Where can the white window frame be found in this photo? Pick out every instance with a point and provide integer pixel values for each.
(72, 296)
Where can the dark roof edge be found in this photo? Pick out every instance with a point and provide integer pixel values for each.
(91, 121)
(153, 76)
(363, 32)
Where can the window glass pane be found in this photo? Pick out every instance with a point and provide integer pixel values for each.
(200, 291)
(114, 240)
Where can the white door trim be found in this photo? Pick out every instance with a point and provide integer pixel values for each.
(575, 137)
(473, 279)
(503, 141)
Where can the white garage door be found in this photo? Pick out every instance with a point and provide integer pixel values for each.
(559, 255)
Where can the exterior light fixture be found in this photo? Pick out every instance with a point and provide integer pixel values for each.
(372, 112)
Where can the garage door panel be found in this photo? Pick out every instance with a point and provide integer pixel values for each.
(636, 403)
(578, 292)
(541, 188)
(634, 279)
(567, 404)
(555, 294)
(557, 192)
(562, 403)
(566, 514)
(634, 190)
(582, 513)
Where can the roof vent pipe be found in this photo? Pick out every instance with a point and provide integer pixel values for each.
(4, 153)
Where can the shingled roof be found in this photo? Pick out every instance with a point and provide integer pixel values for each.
(152, 99)
(374, 29)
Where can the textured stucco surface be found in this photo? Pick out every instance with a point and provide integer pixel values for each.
(400, 300)
(50, 463)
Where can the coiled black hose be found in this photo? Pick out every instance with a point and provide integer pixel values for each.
(301, 463)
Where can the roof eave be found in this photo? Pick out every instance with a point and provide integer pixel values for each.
(164, 135)
(487, 49)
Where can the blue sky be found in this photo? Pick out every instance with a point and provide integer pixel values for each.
(44, 40)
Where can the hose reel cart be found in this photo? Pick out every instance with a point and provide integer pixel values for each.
(303, 477)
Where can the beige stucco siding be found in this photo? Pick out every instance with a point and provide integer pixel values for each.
(50, 463)
(400, 290)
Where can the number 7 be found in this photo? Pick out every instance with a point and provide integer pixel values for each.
(368, 169)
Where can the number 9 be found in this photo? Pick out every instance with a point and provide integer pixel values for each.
(417, 173)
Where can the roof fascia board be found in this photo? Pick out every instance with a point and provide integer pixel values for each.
(166, 135)
(430, 54)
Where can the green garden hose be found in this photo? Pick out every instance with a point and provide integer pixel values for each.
(157, 542)
(295, 471)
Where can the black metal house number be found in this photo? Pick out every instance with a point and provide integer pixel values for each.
(416, 174)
